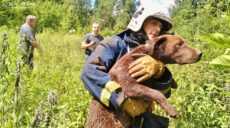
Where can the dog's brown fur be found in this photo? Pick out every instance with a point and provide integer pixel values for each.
(169, 49)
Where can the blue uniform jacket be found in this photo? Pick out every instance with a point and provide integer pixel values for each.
(95, 71)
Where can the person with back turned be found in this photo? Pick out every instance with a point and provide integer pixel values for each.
(28, 41)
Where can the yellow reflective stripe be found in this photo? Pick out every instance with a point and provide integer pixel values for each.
(166, 90)
(112, 86)
(107, 91)
(105, 95)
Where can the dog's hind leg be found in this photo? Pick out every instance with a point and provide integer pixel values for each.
(137, 90)
(100, 117)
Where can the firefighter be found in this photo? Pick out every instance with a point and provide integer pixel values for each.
(146, 24)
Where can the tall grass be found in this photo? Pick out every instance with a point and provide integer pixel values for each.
(199, 96)
(3, 69)
(58, 68)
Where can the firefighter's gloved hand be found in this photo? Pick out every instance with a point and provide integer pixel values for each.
(132, 106)
(145, 68)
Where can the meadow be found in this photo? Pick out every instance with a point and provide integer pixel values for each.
(53, 95)
(57, 69)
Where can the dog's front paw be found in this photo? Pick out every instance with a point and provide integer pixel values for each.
(134, 106)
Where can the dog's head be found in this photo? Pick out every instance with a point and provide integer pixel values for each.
(171, 49)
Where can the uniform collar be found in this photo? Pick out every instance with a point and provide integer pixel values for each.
(132, 40)
(130, 37)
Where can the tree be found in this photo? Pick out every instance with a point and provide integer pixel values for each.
(104, 14)
(223, 41)
(203, 16)
(124, 10)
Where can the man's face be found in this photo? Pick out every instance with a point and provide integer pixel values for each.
(152, 28)
(96, 28)
(32, 23)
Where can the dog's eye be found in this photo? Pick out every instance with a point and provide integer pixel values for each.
(178, 45)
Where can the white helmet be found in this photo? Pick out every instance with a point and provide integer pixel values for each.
(157, 12)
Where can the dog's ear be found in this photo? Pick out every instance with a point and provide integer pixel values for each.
(158, 43)
(159, 46)
(137, 55)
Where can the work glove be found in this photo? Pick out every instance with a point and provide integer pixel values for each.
(133, 106)
(146, 67)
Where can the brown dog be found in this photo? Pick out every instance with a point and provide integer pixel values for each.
(169, 49)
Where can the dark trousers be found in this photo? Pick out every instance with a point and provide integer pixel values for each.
(26, 54)
(29, 61)
(150, 120)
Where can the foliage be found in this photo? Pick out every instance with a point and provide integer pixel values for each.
(220, 40)
(203, 94)
(200, 96)
(58, 68)
(13, 13)
(200, 17)
(223, 60)
(65, 15)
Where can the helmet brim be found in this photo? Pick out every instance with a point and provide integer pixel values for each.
(137, 25)
(167, 22)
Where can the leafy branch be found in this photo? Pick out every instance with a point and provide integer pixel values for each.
(223, 41)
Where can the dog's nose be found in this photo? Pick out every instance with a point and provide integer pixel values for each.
(198, 53)
(199, 56)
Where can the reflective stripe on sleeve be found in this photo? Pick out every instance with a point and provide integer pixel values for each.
(107, 91)
(166, 90)
(112, 86)
(105, 95)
